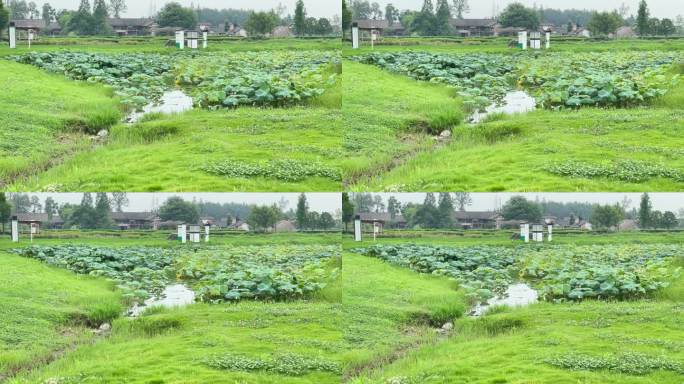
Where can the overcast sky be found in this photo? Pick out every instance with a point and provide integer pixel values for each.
(483, 8)
(140, 8)
(491, 201)
(144, 202)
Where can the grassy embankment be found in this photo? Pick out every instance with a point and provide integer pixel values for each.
(511, 345)
(40, 304)
(166, 153)
(511, 153)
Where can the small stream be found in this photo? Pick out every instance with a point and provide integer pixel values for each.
(517, 295)
(171, 102)
(513, 102)
(177, 295)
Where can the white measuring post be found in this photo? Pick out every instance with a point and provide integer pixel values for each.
(182, 234)
(206, 233)
(548, 40)
(374, 36)
(357, 228)
(522, 39)
(525, 232)
(15, 229)
(355, 35)
(180, 39)
(538, 233)
(205, 40)
(13, 36)
(376, 230)
(192, 39)
(194, 233)
(34, 230)
(550, 229)
(30, 37)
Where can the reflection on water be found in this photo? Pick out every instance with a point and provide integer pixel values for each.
(513, 102)
(171, 102)
(517, 295)
(177, 295)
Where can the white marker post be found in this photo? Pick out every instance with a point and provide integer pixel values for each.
(13, 36)
(357, 228)
(548, 40)
(15, 229)
(525, 232)
(205, 38)
(182, 234)
(30, 37)
(180, 39)
(550, 228)
(355, 35)
(376, 230)
(34, 230)
(522, 39)
(195, 233)
(206, 233)
(374, 36)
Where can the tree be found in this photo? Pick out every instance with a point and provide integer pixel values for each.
(656, 219)
(18, 9)
(100, 15)
(175, 15)
(117, 7)
(261, 23)
(669, 220)
(302, 213)
(84, 215)
(326, 221)
(604, 23)
(347, 210)
(361, 9)
(462, 200)
(393, 207)
(517, 15)
(442, 18)
(375, 11)
(642, 24)
(427, 214)
(607, 216)
(346, 16)
(519, 208)
(391, 13)
(33, 11)
(177, 209)
(36, 206)
(445, 210)
(378, 204)
(667, 27)
(119, 200)
(51, 207)
(48, 13)
(645, 209)
(102, 209)
(263, 217)
(20, 202)
(323, 27)
(300, 18)
(82, 21)
(4, 21)
(424, 21)
(5, 210)
(460, 7)
(363, 202)
(654, 26)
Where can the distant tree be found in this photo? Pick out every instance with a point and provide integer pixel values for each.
(570, 27)
(607, 216)
(656, 219)
(177, 209)
(117, 7)
(84, 215)
(51, 207)
(82, 22)
(669, 220)
(346, 16)
(361, 9)
(442, 18)
(460, 7)
(4, 21)
(375, 11)
(391, 13)
(347, 210)
(642, 22)
(363, 202)
(119, 200)
(667, 27)
(654, 26)
(263, 217)
(100, 15)
(393, 207)
(462, 199)
(175, 15)
(323, 27)
(623, 11)
(604, 23)
(519, 208)
(302, 213)
(261, 23)
(49, 13)
(18, 9)
(378, 204)
(326, 221)
(5, 210)
(427, 214)
(424, 22)
(300, 18)
(445, 210)
(517, 15)
(680, 24)
(21, 202)
(36, 206)
(33, 11)
(645, 209)
(102, 209)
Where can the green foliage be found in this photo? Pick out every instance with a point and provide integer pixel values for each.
(286, 170)
(139, 272)
(261, 273)
(517, 15)
(177, 209)
(261, 23)
(175, 15)
(625, 170)
(630, 363)
(519, 208)
(263, 218)
(300, 18)
(607, 216)
(4, 19)
(604, 23)
(285, 364)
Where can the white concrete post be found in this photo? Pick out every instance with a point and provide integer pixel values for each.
(13, 37)
(205, 37)
(357, 228)
(548, 40)
(522, 39)
(550, 227)
(525, 232)
(182, 233)
(15, 230)
(206, 233)
(355, 36)
(180, 39)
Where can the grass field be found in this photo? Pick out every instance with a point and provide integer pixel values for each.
(162, 152)
(41, 337)
(506, 152)
(514, 345)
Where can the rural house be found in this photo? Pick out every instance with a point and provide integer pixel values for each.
(367, 26)
(42, 220)
(478, 220)
(37, 26)
(285, 226)
(133, 27)
(473, 27)
(382, 219)
(135, 220)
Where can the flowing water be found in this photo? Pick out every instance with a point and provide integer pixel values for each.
(517, 295)
(175, 101)
(513, 102)
(176, 295)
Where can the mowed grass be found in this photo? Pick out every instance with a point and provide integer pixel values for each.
(514, 153)
(46, 311)
(388, 118)
(44, 118)
(513, 345)
(174, 345)
(169, 152)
